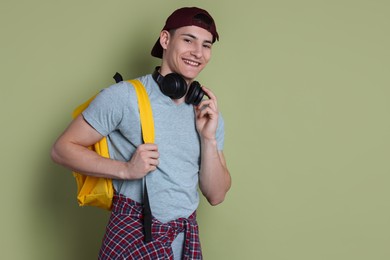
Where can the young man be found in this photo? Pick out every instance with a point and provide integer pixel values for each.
(187, 150)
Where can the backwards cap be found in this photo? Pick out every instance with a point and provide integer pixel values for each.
(186, 16)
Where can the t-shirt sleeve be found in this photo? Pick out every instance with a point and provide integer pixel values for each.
(105, 112)
(220, 134)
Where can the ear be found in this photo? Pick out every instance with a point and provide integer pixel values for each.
(164, 39)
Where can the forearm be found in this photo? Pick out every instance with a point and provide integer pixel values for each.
(214, 180)
(80, 159)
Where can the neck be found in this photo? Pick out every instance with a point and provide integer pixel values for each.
(178, 101)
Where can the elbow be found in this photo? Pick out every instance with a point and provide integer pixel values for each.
(216, 201)
(218, 198)
(55, 154)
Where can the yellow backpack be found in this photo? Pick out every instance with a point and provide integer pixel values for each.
(96, 191)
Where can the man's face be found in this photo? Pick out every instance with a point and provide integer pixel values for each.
(187, 51)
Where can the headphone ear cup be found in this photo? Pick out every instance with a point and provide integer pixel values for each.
(195, 94)
(174, 86)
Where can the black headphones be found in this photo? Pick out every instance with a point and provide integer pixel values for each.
(174, 86)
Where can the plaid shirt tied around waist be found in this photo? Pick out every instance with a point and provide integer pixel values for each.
(124, 238)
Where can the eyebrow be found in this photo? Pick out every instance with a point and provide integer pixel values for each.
(196, 38)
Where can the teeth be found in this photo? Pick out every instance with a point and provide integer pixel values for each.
(193, 63)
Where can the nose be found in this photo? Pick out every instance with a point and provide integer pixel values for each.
(196, 51)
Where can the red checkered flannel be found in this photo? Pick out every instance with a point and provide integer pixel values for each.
(124, 238)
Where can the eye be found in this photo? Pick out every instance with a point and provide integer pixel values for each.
(187, 40)
(207, 46)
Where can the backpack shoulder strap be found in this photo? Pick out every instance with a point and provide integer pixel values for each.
(145, 111)
(147, 126)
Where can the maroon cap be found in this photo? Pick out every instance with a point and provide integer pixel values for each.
(187, 16)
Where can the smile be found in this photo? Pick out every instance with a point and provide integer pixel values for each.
(192, 63)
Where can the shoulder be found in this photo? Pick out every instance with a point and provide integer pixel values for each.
(117, 90)
(122, 92)
(113, 99)
(148, 83)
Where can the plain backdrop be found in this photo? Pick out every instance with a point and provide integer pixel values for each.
(304, 90)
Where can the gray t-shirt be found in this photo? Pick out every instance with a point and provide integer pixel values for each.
(172, 188)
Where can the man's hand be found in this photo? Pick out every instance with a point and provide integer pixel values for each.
(207, 116)
(143, 161)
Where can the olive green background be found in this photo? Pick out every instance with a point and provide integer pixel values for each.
(304, 90)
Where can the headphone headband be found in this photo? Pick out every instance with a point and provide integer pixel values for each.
(157, 76)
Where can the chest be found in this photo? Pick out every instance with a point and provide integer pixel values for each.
(175, 133)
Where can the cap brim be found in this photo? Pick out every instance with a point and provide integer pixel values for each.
(157, 50)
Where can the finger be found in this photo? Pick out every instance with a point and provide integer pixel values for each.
(209, 93)
(148, 156)
(207, 112)
(153, 165)
(207, 104)
(154, 155)
(148, 147)
(154, 162)
(152, 168)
